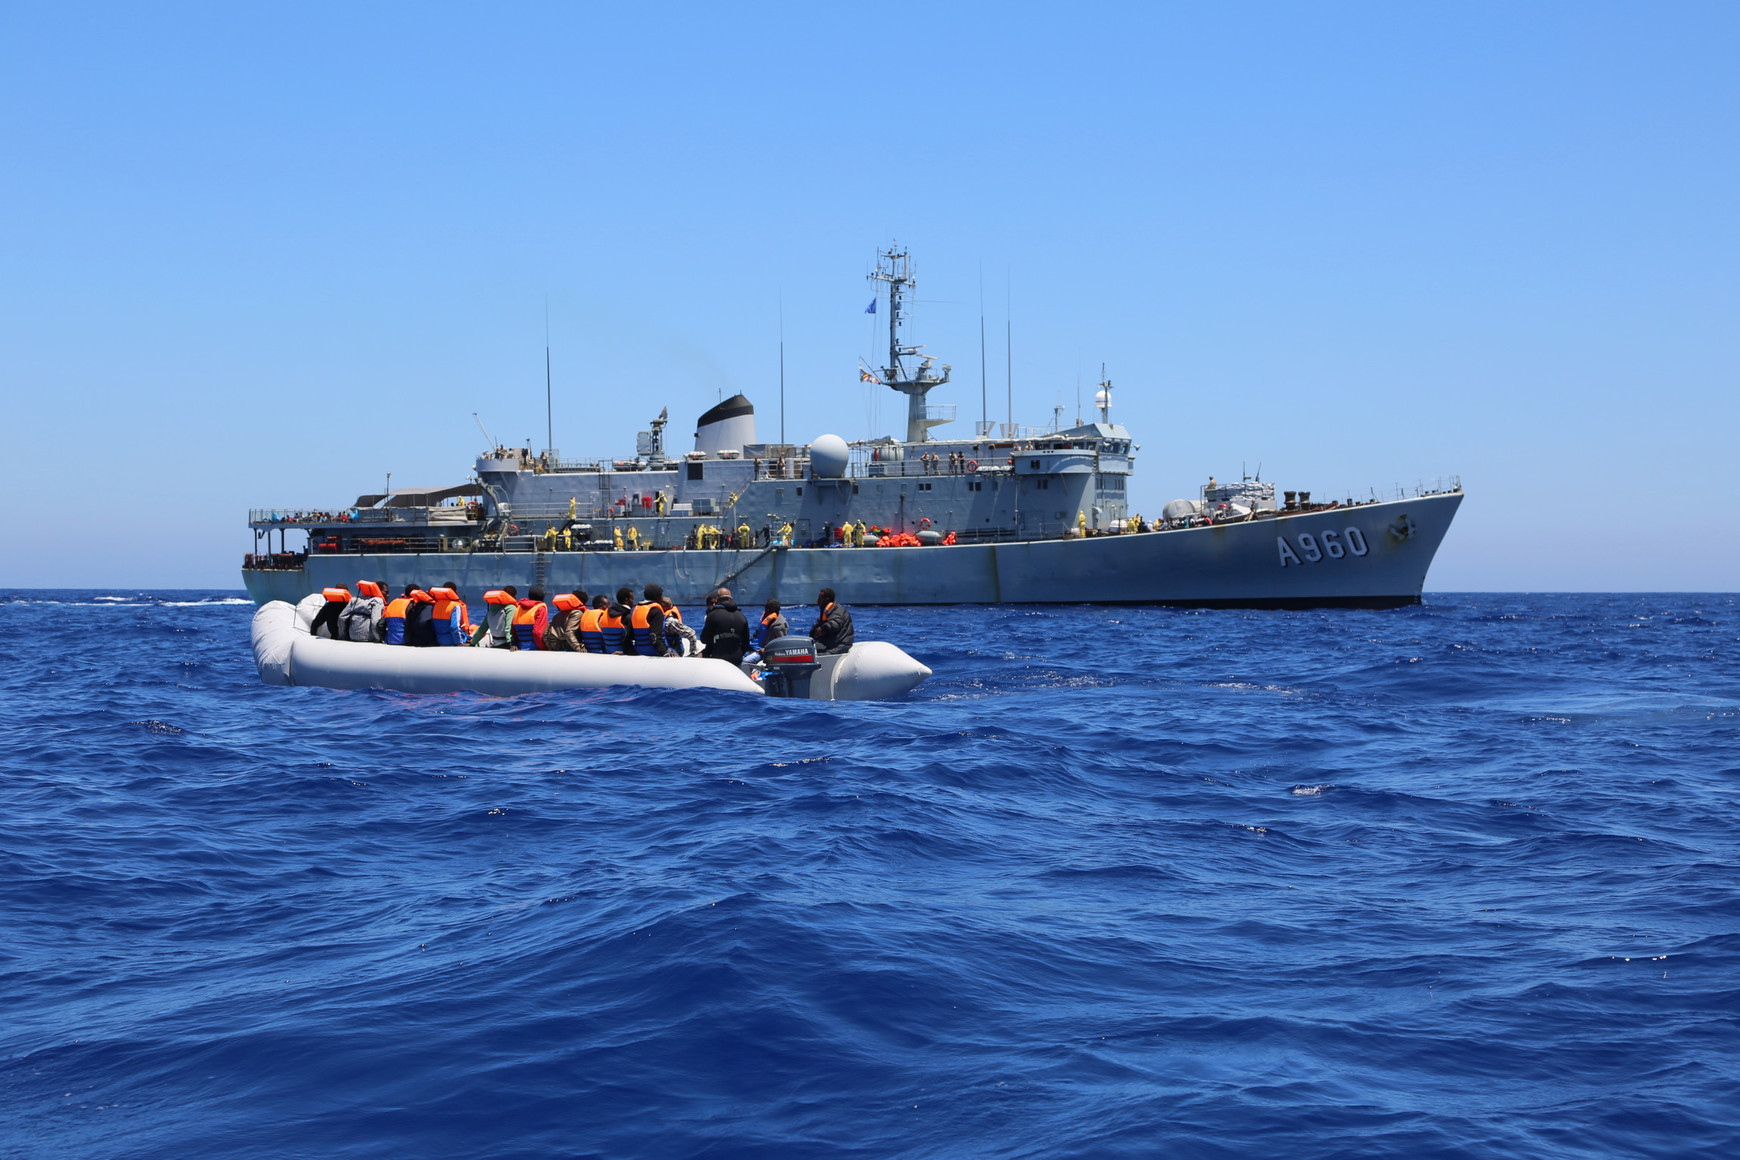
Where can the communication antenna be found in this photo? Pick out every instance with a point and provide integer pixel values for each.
(1009, 355)
(782, 366)
(984, 406)
(549, 408)
(486, 435)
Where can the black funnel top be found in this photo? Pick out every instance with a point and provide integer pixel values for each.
(730, 409)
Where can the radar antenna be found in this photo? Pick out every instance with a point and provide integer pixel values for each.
(894, 267)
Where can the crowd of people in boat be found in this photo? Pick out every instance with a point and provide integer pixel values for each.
(570, 622)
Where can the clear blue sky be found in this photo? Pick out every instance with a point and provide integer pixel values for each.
(263, 255)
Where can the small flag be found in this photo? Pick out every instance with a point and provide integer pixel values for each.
(867, 377)
(871, 309)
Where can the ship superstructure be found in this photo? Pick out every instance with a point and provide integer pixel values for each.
(732, 508)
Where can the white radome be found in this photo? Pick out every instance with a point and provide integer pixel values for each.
(829, 456)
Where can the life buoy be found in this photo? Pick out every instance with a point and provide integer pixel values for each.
(513, 529)
(924, 523)
(972, 465)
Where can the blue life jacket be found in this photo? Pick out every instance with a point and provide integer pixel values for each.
(393, 620)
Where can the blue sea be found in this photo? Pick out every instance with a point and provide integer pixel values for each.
(1454, 880)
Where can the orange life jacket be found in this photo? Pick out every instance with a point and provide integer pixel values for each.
(592, 630)
(613, 630)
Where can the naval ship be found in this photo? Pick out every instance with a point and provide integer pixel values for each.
(1012, 514)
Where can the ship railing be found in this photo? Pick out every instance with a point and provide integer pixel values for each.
(925, 465)
(1419, 489)
(309, 515)
(937, 412)
(274, 561)
(786, 467)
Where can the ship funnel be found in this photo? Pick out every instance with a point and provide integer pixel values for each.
(730, 426)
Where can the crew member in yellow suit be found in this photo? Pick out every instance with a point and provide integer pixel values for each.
(633, 539)
(617, 532)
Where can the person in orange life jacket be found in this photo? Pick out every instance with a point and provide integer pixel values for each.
(531, 620)
(448, 616)
(420, 620)
(497, 629)
(833, 629)
(772, 626)
(563, 635)
(326, 620)
(393, 618)
(361, 618)
(592, 625)
(615, 622)
(646, 625)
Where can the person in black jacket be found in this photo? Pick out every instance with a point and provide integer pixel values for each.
(725, 632)
(833, 629)
(420, 620)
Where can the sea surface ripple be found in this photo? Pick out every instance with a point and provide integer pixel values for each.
(1454, 880)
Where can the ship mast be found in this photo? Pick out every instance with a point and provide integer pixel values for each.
(894, 267)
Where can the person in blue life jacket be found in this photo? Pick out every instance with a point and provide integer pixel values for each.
(530, 621)
(393, 618)
(448, 616)
(615, 622)
(646, 625)
(592, 625)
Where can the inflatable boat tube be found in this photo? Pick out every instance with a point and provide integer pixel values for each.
(286, 654)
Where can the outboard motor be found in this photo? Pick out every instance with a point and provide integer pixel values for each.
(791, 662)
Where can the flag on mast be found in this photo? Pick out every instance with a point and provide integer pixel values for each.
(871, 309)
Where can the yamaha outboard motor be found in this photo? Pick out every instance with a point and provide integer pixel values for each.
(791, 662)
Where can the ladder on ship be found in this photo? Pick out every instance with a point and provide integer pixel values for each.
(540, 569)
(731, 577)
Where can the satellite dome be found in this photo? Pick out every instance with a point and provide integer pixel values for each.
(829, 456)
(1103, 399)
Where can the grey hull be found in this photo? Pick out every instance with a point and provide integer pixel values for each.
(1371, 556)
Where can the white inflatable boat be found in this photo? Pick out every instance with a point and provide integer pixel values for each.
(286, 654)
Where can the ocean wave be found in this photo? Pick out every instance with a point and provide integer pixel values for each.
(1290, 883)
